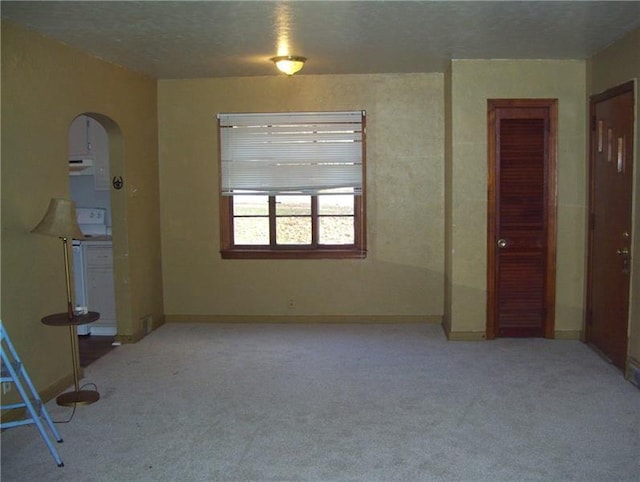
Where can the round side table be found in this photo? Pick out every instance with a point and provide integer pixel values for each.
(76, 397)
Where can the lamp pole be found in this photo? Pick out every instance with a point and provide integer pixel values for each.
(60, 221)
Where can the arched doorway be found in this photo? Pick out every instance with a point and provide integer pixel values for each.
(96, 165)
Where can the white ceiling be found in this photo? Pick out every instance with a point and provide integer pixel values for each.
(192, 39)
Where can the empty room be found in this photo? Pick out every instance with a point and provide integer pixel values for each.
(321, 240)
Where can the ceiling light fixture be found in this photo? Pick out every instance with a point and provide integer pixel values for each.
(289, 64)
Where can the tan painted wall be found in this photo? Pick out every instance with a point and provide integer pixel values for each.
(401, 277)
(448, 203)
(613, 66)
(472, 83)
(44, 86)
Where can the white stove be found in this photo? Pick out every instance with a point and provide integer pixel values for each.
(91, 221)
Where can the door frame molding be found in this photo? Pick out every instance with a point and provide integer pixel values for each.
(620, 89)
(550, 210)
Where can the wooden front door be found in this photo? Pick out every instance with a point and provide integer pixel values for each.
(610, 200)
(521, 217)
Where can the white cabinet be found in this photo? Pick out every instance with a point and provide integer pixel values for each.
(98, 257)
(81, 133)
(101, 177)
(88, 139)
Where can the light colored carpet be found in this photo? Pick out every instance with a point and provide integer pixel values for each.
(276, 402)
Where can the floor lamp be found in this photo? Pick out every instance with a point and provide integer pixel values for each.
(60, 221)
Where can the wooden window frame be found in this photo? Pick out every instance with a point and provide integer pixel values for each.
(314, 250)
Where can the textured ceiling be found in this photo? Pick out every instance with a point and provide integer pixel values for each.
(191, 39)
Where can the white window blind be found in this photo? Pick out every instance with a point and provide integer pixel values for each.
(291, 153)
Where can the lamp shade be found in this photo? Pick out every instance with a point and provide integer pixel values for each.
(289, 64)
(60, 220)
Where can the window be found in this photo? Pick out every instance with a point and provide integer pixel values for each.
(292, 185)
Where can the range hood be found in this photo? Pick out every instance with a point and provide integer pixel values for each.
(80, 166)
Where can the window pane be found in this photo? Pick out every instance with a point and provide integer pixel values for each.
(292, 205)
(336, 230)
(293, 230)
(251, 205)
(335, 204)
(251, 230)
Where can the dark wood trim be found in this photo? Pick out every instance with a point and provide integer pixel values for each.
(265, 253)
(226, 222)
(273, 225)
(593, 100)
(552, 218)
(550, 214)
(315, 222)
(612, 92)
(229, 250)
(491, 221)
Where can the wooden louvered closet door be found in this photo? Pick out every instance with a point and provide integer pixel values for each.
(521, 252)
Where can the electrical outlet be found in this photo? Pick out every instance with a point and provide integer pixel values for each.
(291, 304)
(6, 387)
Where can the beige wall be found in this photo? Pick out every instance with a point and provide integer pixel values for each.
(448, 202)
(402, 276)
(44, 86)
(471, 84)
(613, 66)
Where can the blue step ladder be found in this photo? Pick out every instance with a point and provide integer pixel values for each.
(13, 371)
